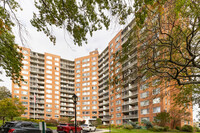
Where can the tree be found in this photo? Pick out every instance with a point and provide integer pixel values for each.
(162, 118)
(97, 122)
(177, 115)
(170, 36)
(4, 93)
(10, 108)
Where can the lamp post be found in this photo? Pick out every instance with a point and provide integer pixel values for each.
(75, 99)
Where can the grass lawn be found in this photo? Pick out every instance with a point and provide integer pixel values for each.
(114, 130)
(52, 128)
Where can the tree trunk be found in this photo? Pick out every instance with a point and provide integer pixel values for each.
(3, 119)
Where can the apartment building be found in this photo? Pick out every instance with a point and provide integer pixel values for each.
(86, 86)
(48, 86)
(106, 88)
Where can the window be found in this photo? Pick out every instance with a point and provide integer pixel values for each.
(48, 81)
(48, 71)
(85, 65)
(24, 51)
(56, 64)
(49, 91)
(144, 86)
(94, 83)
(94, 68)
(16, 91)
(156, 110)
(144, 111)
(49, 57)
(145, 118)
(118, 121)
(78, 89)
(94, 97)
(94, 102)
(78, 66)
(49, 62)
(117, 39)
(56, 87)
(78, 75)
(86, 69)
(56, 82)
(56, 59)
(77, 62)
(94, 63)
(94, 93)
(94, 107)
(144, 103)
(24, 72)
(94, 87)
(155, 82)
(25, 62)
(25, 77)
(118, 96)
(56, 92)
(25, 87)
(24, 97)
(24, 92)
(48, 101)
(93, 78)
(48, 110)
(48, 105)
(156, 100)
(78, 71)
(94, 73)
(86, 88)
(49, 76)
(156, 91)
(57, 78)
(144, 95)
(118, 102)
(49, 96)
(49, 67)
(117, 45)
(49, 86)
(118, 114)
(25, 67)
(118, 108)
(56, 73)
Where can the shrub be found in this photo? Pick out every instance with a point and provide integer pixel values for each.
(128, 126)
(197, 129)
(166, 128)
(187, 128)
(178, 128)
(103, 126)
(51, 122)
(112, 125)
(119, 126)
(135, 125)
(148, 124)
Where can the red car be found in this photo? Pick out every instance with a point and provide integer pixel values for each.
(68, 128)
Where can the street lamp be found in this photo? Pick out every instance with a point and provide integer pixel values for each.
(75, 99)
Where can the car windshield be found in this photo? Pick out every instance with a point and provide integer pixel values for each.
(63, 125)
(84, 125)
(8, 124)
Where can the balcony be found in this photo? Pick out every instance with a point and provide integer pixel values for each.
(130, 116)
(104, 98)
(129, 95)
(105, 108)
(130, 102)
(104, 103)
(129, 109)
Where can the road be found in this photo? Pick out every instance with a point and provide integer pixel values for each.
(97, 131)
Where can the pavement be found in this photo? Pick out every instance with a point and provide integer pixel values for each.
(97, 131)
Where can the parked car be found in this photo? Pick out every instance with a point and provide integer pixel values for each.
(21, 127)
(68, 128)
(88, 127)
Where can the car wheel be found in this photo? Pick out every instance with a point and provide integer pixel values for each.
(81, 131)
(70, 131)
(94, 130)
(90, 130)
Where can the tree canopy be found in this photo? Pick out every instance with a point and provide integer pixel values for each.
(10, 108)
(4, 93)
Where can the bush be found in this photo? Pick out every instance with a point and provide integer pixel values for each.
(148, 124)
(119, 126)
(196, 129)
(51, 122)
(166, 128)
(187, 128)
(178, 128)
(128, 126)
(135, 125)
(159, 129)
(103, 126)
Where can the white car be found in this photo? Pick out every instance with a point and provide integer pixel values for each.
(88, 127)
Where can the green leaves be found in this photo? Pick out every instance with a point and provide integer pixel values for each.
(78, 18)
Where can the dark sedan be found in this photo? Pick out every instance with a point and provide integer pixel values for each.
(21, 127)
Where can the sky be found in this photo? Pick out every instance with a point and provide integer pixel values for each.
(38, 42)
